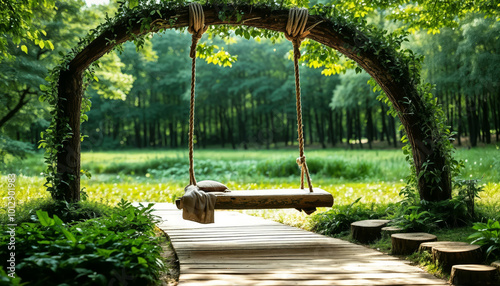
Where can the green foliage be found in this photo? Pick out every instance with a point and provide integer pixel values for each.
(121, 245)
(338, 220)
(488, 236)
(16, 22)
(420, 215)
(14, 148)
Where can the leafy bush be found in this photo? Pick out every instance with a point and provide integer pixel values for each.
(420, 215)
(488, 236)
(67, 212)
(118, 248)
(338, 220)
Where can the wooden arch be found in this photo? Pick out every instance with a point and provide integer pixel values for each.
(402, 93)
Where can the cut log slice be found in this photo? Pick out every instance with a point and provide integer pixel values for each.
(428, 246)
(474, 274)
(390, 230)
(447, 256)
(496, 264)
(407, 243)
(366, 231)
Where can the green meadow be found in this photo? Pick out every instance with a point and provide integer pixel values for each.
(160, 175)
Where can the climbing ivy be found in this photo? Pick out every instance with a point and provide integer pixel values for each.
(401, 63)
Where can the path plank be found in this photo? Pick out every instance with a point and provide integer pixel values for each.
(243, 250)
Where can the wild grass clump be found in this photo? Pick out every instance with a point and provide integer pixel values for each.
(337, 221)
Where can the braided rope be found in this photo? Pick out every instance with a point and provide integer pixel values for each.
(296, 32)
(196, 28)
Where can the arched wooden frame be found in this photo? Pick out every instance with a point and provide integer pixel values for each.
(337, 36)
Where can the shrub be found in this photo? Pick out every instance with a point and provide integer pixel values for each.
(488, 236)
(117, 248)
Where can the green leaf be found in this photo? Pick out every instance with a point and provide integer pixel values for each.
(44, 218)
(133, 3)
(41, 44)
(49, 43)
(24, 49)
(68, 234)
(142, 261)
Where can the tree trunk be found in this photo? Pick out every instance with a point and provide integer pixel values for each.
(331, 128)
(486, 121)
(358, 126)
(369, 125)
(349, 127)
(471, 110)
(69, 106)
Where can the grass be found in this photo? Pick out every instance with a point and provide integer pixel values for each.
(160, 175)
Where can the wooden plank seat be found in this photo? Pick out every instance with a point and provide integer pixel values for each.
(271, 199)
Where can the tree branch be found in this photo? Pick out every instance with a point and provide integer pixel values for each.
(20, 103)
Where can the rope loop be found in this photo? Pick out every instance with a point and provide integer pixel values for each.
(295, 31)
(196, 28)
(196, 25)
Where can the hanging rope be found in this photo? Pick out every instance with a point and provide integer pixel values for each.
(196, 28)
(296, 32)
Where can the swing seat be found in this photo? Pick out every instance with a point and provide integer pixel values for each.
(271, 199)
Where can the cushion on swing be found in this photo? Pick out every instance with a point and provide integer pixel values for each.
(211, 186)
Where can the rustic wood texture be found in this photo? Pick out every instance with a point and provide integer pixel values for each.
(271, 199)
(242, 250)
(449, 255)
(474, 274)
(407, 243)
(428, 246)
(367, 230)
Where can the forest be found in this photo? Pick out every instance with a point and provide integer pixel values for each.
(244, 89)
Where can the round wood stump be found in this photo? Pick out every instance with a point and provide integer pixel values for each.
(407, 243)
(366, 231)
(390, 230)
(447, 256)
(496, 264)
(428, 246)
(474, 274)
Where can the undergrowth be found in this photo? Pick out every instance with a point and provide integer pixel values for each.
(112, 246)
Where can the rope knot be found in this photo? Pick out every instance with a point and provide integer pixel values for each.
(196, 25)
(301, 161)
(295, 26)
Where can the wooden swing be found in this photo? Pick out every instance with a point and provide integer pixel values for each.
(300, 199)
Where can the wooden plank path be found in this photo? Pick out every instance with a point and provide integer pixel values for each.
(243, 250)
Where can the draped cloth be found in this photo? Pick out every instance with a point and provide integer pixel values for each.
(198, 206)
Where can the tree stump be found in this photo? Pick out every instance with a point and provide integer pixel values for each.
(390, 230)
(407, 243)
(428, 246)
(496, 264)
(447, 256)
(366, 231)
(474, 274)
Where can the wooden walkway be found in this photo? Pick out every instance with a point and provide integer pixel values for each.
(244, 250)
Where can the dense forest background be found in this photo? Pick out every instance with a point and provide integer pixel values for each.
(245, 89)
